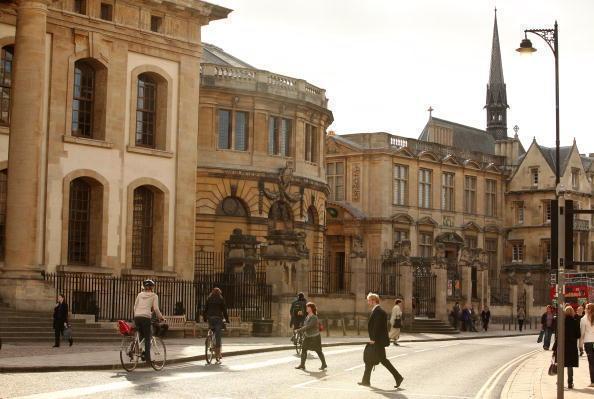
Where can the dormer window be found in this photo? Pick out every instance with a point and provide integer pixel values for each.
(575, 178)
(534, 177)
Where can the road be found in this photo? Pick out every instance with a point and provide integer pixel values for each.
(449, 369)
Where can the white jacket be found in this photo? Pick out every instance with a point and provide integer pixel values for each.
(396, 314)
(586, 330)
(147, 302)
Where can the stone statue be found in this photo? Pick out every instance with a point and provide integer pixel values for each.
(357, 249)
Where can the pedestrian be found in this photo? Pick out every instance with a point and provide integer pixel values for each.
(396, 322)
(313, 339)
(579, 312)
(377, 328)
(297, 313)
(145, 304)
(466, 318)
(473, 318)
(486, 318)
(548, 323)
(60, 320)
(570, 347)
(521, 317)
(215, 311)
(587, 338)
(456, 314)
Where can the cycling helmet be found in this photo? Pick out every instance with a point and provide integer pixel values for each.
(148, 283)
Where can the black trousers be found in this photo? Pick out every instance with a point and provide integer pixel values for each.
(144, 327)
(58, 332)
(384, 362)
(589, 348)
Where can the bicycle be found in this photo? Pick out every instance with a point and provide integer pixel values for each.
(210, 345)
(132, 348)
(297, 340)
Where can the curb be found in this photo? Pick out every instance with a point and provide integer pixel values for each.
(118, 366)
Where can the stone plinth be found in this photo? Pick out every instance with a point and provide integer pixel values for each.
(241, 252)
(28, 294)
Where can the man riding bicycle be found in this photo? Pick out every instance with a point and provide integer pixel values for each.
(146, 302)
(214, 312)
(298, 312)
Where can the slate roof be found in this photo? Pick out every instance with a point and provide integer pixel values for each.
(465, 137)
(215, 55)
(549, 155)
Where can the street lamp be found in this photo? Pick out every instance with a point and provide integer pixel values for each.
(551, 37)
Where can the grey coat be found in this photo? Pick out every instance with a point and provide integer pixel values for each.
(311, 326)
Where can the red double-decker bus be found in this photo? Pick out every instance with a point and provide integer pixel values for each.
(579, 289)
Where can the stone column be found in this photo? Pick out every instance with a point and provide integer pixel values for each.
(23, 261)
(466, 271)
(359, 283)
(441, 291)
(513, 296)
(529, 299)
(481, 280)
(406, 290)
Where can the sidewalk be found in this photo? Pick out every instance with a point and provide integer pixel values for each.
(36, 357)
(531, 380)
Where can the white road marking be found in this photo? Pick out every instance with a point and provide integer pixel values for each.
(404, 394)
(491, 383)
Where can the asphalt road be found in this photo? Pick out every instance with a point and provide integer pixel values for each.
(451, 369)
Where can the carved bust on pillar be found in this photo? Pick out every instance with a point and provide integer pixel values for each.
(357, 249)
(240, 252)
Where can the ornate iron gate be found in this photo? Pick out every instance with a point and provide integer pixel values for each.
(424, 291)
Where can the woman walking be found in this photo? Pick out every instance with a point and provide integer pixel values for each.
(521, 317)
(587, 338)
(313, 339)
(60, 320)
(396, 322)
(486, 318)
(570, 347)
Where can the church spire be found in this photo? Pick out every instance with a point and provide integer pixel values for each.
(496, 103)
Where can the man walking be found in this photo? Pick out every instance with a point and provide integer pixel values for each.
(377, 327)
(549, 325)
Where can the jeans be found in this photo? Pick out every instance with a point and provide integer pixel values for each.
(143, 325)
(589, 347)
(58, 331)
(384, 362)
(547, 337)
(216, 324)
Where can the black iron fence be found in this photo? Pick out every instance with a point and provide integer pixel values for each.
(424, 285)
(383, 276)
(329, 276)
(500, 292)
(112, 298)
(214, 265)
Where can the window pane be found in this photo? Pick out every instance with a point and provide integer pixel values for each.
(224, 129)
(142, 228)
(146, 111)
(5, 83)
(241, 131)
(83, 97)
(79, 222)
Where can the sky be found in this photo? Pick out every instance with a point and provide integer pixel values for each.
(384, 62)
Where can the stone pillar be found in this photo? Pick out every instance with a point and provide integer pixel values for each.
(23, 260)
(481, 280)
(441, 291)
(529, 299)
(359, 283)
(406, 290)
(466, 271)
(513, 296)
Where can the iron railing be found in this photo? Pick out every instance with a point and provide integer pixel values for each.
(329, 276)
(500, 292)
(112, 298)
(383, 276)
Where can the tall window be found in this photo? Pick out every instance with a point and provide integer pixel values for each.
(547, 206)
(491, 197)
(82, 102)
(156, 23)
(335, 178)
(400, 235)
(279, 136)
(311, 143)
(470, 194)
(546, 250)
(79, 223)
(518, 252)
(146, 111)
(142, 228)
(106, 12)
(424, 188)
(534, 177)
(447, 191)
(233, 132)
(3, 183)
(519, 209)
(400, 185)
(575, 178)
(471, 242)
(80, 6)
(425, 245)
(491, 248)
(5, 83)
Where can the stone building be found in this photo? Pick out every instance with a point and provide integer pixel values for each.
(98, 142)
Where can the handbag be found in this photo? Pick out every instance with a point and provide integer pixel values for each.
(540, 337)
(68, 333)
(553, 368)
(370, 355)
(397, 323)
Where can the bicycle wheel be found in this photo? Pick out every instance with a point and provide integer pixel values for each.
(158, 354)
(128, 353)
(208, 349)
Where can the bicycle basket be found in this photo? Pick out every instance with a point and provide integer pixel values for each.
(125, 328)
(160, 329)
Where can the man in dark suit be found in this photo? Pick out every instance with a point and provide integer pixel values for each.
(377, 327)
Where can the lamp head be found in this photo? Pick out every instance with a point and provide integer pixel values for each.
(526, 47)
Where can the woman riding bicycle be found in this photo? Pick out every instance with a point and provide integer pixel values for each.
(214, 312)
(146, 302)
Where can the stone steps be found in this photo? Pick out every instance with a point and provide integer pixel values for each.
(431, 326)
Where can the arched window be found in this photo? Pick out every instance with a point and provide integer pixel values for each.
(3, 182)
(146, 111)
(5, 83)
(83, 99)
(79, 222)
(231, 206)
(142, 228)
(311, 217)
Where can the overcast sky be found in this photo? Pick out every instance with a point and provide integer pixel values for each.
(384, 62)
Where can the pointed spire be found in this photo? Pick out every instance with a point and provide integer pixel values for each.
(496, 72)
(496, 102)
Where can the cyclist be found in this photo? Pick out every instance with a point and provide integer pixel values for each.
(298, 312)
(214, 312)
(146, 302)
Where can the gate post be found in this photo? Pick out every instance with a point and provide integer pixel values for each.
(406, 290)
(358, 265)
(513, 295)
(529, 287)
(466, 275)
(441, 291)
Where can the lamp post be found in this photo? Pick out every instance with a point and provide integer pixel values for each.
(551, 37)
